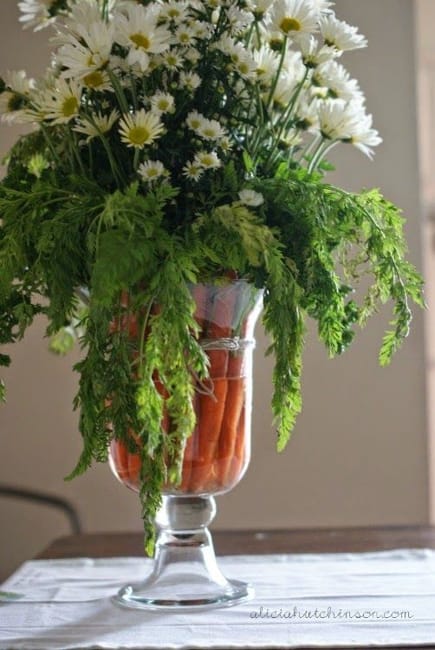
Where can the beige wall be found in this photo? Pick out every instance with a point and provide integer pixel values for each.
(358, 455)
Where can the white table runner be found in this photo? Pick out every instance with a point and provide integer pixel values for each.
(328, 600)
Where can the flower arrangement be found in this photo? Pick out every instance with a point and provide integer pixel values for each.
(178, 142)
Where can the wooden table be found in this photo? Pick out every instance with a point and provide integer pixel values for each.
(322, 540)
(333, 540)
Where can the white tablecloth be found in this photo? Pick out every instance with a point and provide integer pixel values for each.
(330, 600)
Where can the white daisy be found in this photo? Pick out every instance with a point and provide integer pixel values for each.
(246, 66)
(87, 53)
(364, 136)
(36, 13)
(336, 79)
(291, 138)
(348, 122)
(259, 7)
(189, 80)
(151, 170)
(323, 6)
(140, 129)
(307, 118)
(194, 120)
(193, 171)
(175, 11)
(96, 124)
(202, 29)
(138, 30)
(162, 103)
(62, 102)
(312, 54)
(267, 62)
(340, 36)
(225, 144)
(207, 160)
(81, 13)
(172, 60)
(184, 35)
(294, 17)
(192, 55)
(11, 107)
(251, 198)
(211, 130)
(238, 19)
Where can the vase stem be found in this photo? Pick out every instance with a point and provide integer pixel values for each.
(185, 573)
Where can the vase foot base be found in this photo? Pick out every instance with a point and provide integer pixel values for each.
(137, 596)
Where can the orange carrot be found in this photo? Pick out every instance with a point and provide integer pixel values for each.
(233, 408)
(227, 439)
(209, 426)
(240, 453)
(218, 325)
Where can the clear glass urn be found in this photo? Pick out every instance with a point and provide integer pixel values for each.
(185, 572)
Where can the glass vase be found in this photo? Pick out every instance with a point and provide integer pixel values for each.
(185, 572)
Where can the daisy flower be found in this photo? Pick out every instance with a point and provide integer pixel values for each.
(294, 17)
(192, 55)
(246, 66)
(194, 120)
(151, 170)
(172, 60)
(340, 36)
(88, 53)
(140, 129)
(138, 31)
(174, 11)
(323, 6)
(211, 130)
(36, 13)
(96, 124)
(291, 138)
(338, 82)
(251, 198)
(348, 122)
(259, 7)
(238, 19)
(364, 137)
(189, 80)
(162, 102)
(62, 102)
(185, 35)
(207, 160)
(202, 29)
(312, 54)
(267, 62)
(193, 171)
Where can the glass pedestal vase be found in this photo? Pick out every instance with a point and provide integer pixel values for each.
(185, 573)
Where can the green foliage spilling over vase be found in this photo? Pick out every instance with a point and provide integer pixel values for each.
(178, 143)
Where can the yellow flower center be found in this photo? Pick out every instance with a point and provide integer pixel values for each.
(69, 106)
(152, 172)
(290, 25)
(93, 79)
(209, 133)
(141, 41)
(138, 135)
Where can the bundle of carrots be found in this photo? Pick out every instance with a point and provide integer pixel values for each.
(217, 452)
